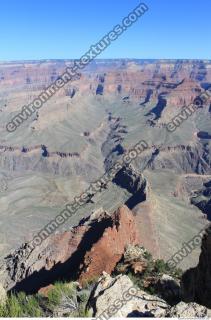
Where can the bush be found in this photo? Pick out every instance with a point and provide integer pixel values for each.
(162, 267)
(61, 294)
(21, 305)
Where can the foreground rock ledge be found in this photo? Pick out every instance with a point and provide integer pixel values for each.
(110, 299)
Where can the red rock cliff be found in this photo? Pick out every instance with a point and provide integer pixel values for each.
(106, 252)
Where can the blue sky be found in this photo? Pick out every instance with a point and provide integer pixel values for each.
(48, 29)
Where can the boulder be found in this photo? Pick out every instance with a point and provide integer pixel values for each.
(133, 253)
(133, 260)
(187, 310)
(117, 297)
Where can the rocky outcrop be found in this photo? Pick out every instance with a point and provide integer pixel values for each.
(150, 274)
(181, 158)
(107, 296)
(202, 199)
(107, 252)
(94, 246)
(29, 271)
(196, 282)
(133, 260)
(187, 310)
(134, 182)
(117, 297)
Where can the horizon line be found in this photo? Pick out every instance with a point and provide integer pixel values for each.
(103, 59)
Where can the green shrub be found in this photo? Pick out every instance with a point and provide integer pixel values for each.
(60, 290)
(21, 305)
(161, 267)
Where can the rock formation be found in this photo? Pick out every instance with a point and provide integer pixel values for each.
(117, 297)
(188, 310)
(108, 250)
(94, 246)
(107, 296)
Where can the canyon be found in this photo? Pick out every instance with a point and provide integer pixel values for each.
(160, 201)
